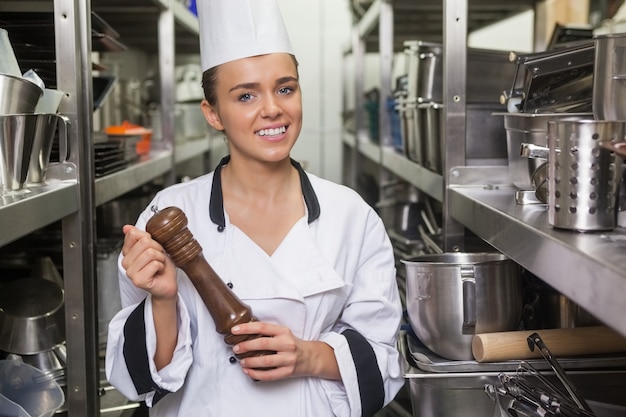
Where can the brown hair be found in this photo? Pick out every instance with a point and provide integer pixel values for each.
(209, 82)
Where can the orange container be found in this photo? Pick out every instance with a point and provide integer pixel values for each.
(129, 129)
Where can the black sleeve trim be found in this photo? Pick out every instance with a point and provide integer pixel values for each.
(136, 354)
(371, 387)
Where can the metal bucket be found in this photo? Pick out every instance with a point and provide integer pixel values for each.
(583, 177)
(452, 296)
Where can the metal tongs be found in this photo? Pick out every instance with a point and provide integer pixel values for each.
(535, 340)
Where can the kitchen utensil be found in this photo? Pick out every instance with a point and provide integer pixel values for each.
(50, 362)
(555, 81)
(452, 296)
(590, 340)
(8, 61)
(109, 300)
(548, 309)
(18, 95)
(194, 125)
(534, 340)
(484, 145)
(583, 177)
(539, 180)
(49, 101)
(532, 129)
(45, 129)
(490, 70)
(17, 135)
(169, 228)
(32, 318)
(9, 408)
(609, 81)
(38, 394)
(402, 217)
(428, 361)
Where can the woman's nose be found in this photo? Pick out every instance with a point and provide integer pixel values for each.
(271, 107)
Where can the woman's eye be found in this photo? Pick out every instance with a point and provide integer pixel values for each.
(285, 90)
(245, 97)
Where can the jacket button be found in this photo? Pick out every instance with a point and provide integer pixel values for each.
(232, 359)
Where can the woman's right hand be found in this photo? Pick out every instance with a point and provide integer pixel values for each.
(147, 265)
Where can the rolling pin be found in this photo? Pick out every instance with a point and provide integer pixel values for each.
(580, 341)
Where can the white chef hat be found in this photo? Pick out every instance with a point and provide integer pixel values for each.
(234, 29)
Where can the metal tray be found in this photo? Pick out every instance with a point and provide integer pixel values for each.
(428, 361)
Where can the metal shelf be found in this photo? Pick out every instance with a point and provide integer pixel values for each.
(589, 268)
(118, 183)
(137, 23)
(423, 19)
(425, 180)
(187, 150)
(25, 213)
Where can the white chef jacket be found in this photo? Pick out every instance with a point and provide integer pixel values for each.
(332, 279)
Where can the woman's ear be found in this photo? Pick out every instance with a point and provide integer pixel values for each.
(210, 114)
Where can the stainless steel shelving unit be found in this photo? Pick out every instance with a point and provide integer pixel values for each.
(159, 27)
(589, 268)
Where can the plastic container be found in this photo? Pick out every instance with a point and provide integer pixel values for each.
(38, 394)
(135, 138)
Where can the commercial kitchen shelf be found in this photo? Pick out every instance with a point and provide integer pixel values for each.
(423, 179)
(589, 268)
(137, 23)
(423, 19)
(187, 150)
(118, 183)
(25, 213)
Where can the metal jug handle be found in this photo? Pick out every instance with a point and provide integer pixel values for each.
(63, 137)
(469, 300)
(64, 170)
(530, 150)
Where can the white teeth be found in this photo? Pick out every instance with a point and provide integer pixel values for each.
(272, 132)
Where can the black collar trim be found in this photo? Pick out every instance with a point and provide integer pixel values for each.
(216, 204)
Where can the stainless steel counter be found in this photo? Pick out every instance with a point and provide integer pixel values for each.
(589, 268)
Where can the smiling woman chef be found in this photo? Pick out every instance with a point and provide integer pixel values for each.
(309, 257)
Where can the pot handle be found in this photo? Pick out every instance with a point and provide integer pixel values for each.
(469, 300)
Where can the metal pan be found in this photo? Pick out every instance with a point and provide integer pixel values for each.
(32, 318)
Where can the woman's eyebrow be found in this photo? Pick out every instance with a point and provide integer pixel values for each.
(244, 86)
(287, 79)
(251, 86)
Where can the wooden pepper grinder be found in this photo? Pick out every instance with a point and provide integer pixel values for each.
(169, 228)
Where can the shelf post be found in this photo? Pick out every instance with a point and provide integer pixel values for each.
(455, 15)
(167, 54)
(72, 23)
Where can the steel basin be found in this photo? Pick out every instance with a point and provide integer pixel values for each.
(452, 296)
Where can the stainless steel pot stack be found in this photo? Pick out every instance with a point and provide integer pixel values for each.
(421, 109)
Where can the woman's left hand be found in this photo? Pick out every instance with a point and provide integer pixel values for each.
(294, 357)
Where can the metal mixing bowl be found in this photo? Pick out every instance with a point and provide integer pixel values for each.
(18, 95)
